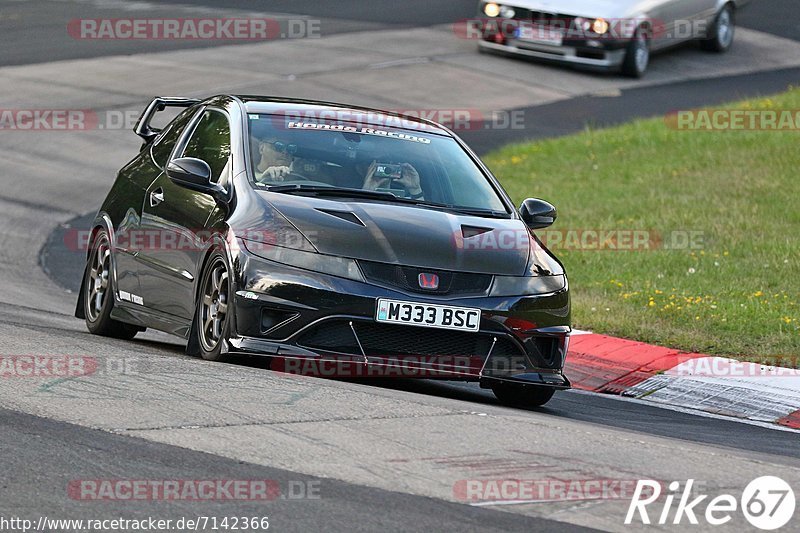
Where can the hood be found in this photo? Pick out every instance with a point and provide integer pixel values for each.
(583, 8)
(407, 235)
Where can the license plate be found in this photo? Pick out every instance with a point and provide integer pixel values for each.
(428, 315)
(540, 35)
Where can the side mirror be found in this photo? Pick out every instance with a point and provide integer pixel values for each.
(194, 174)
(537, 214)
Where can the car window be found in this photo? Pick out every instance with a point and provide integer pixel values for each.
(211, 142)
(163, 145)
(409, 164)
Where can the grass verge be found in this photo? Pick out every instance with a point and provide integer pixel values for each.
(722, 215)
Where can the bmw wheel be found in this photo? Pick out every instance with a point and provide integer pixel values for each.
(98, 292)
(637, 56)
(720, 38)
(214, 305)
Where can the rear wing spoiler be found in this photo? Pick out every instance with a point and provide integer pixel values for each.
(159, 103)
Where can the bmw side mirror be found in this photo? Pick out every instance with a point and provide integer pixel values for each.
(194, 174)
(537, 214)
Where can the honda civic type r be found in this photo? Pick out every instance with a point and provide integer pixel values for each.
(314, 232)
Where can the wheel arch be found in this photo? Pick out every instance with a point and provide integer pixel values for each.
(217, 242)
(722, 3)
(101, 222)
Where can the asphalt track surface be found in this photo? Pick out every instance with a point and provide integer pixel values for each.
(33, 31)
(54, 451)
(144, 429)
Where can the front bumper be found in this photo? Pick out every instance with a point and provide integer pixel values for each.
(318, 324)
(601, 57)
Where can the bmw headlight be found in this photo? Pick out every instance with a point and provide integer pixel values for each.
(491, 9)
(527, 285)
(315, 262)
(507, 12)
(600, 26)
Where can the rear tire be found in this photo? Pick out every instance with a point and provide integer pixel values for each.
(98, 292)
(637, 56)
(720, 38)
(213, 308)
(524, 396)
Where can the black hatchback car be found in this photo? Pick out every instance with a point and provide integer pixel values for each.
(337, 240)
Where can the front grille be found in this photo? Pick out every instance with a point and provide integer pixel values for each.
(549, 20)
(390, 340)
(407, 279)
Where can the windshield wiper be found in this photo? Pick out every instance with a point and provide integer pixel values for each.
(322, 190)
(477, 212)
(472, 211)
(347, 192)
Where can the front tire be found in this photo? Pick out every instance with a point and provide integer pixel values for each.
(214, 305)
(98, 292)
(637, 56)
(524, 396)
(720, 38)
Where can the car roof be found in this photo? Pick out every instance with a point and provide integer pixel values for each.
(325, 111)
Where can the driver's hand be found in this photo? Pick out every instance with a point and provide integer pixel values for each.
(275, 173)
(410, 179)
(371, 183)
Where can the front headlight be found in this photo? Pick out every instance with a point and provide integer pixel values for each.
(507, 12)
(491, 9)
(600, 26)
(527, 285)
(315, 262)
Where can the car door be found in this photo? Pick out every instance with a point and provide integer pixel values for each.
(131, 188)
(174, 218)
(682, 18)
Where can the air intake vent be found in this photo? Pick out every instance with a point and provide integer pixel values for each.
(344, 215)
(407, 279)
(472, 231)
(394, 340)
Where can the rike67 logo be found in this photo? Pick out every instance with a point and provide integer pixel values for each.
(768, 503)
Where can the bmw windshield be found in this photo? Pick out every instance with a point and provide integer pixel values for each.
(385, 164)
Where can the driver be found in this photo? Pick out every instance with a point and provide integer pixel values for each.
(409, 180)
(275, 160)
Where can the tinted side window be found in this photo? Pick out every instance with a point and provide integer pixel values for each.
(211, 142)
(166, 142)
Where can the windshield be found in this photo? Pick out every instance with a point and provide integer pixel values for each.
(403, 164)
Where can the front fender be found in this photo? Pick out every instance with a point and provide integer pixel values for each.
(101, 221)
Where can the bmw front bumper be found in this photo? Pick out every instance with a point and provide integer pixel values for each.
(599, 57)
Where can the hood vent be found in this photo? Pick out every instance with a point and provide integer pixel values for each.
(344, 215)
(473, 231)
